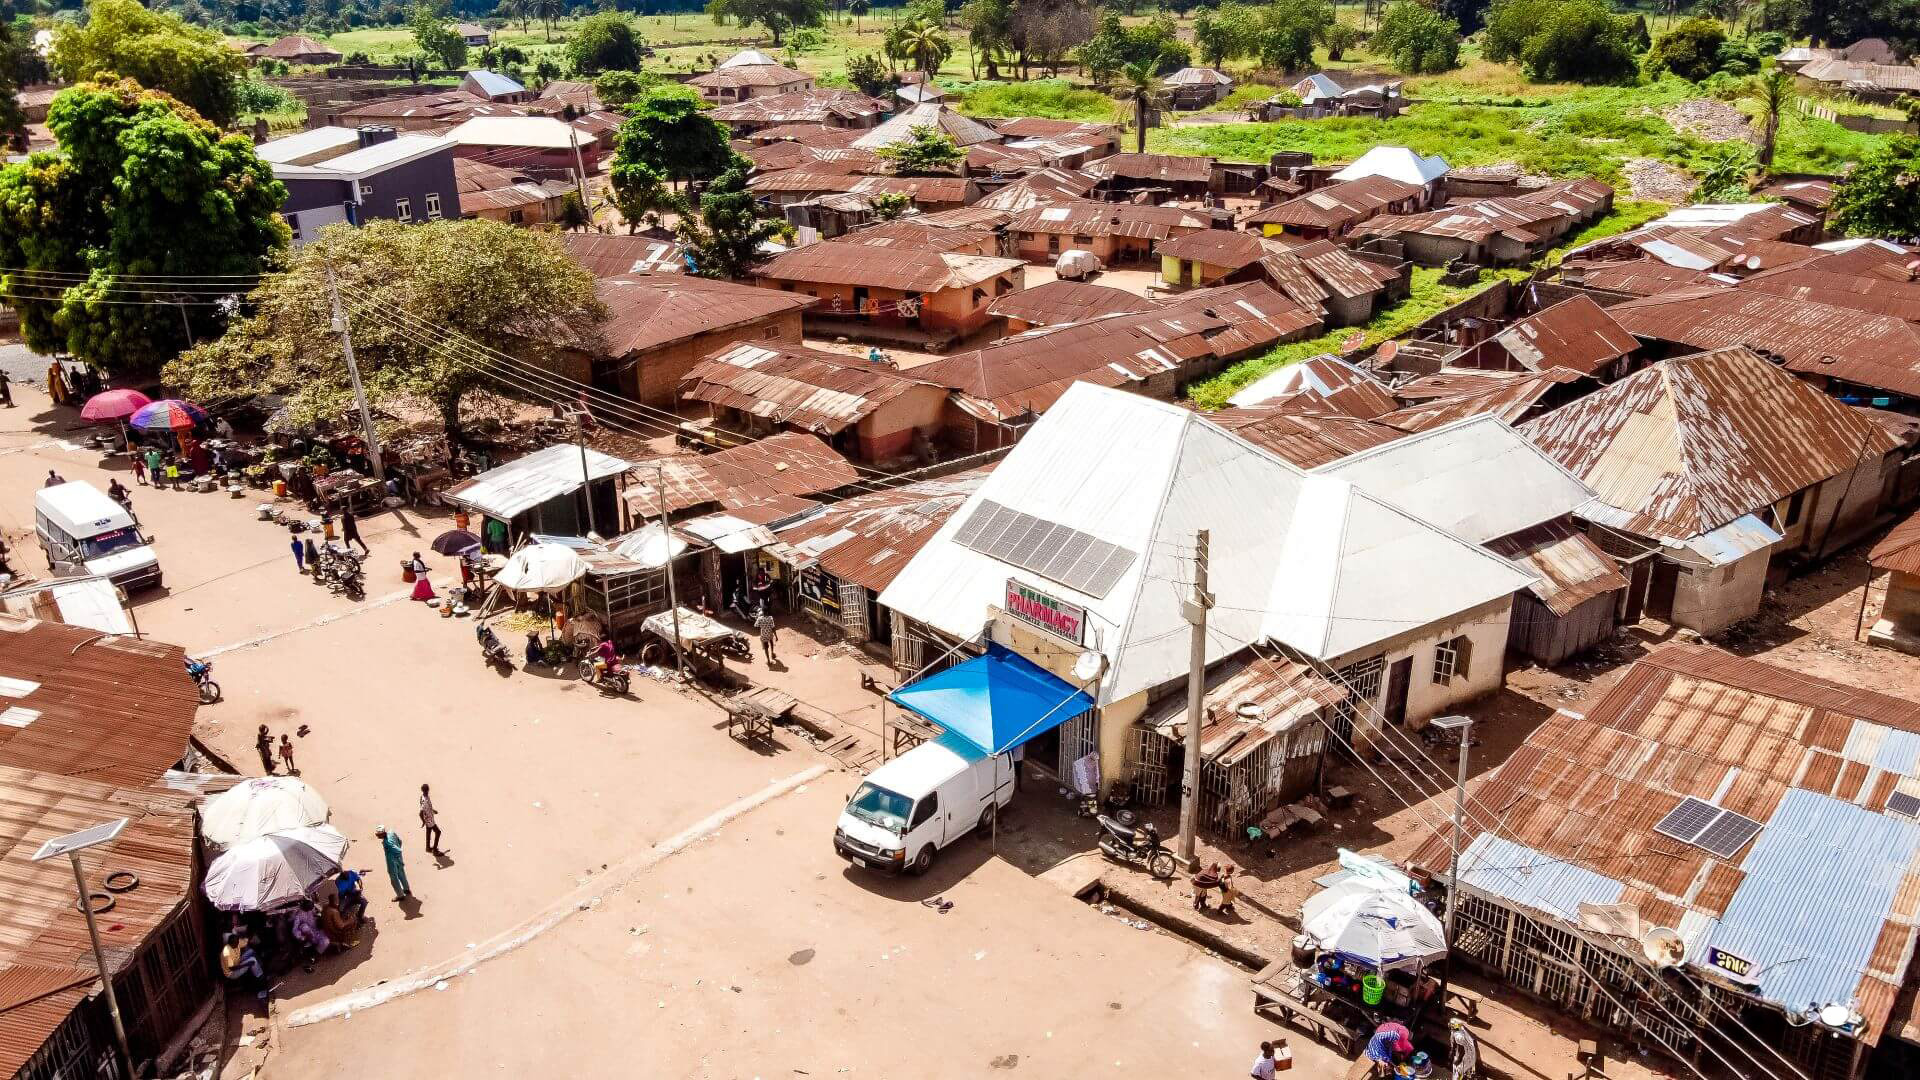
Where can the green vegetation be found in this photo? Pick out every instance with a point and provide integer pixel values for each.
(1553, 40)
(1882, 196)
(1690, 50)
(136, 172)
(1626, 214)
(1055, 98)
(158, 51)
(929, 151)
(604, 43)
(438, 41)
(1418, 39)
(1427, 298)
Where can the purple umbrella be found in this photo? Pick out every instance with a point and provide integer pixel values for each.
(168, 414)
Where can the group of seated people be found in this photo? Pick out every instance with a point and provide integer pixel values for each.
(262, 942)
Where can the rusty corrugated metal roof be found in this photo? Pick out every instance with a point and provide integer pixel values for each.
(1899, 550)
(114, 709)
(749, 75)
(1695, 442)
(819, 392)
(869, 539)
(1092, 218)
(801, 107)
(1572, 568)
(845, 262)
(1304, 438)
(1174, 168)
(1587, 790)
(1055, 302)
(924, 189)
(647, 311)
(788, 464)
(920, 234)
(1227, 248)
(1247, 703)
(1337, 205)
(1512, 399)
(1644, 276)
(1575, 333)
(613, 256)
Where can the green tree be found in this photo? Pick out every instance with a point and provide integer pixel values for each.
(925, 46)
(1213, 37)
(572, 214)
(869, 76)
(1142, 93)
(604, 43)
(1418, 39)
(477, 277)
(1689, 50)
(436, 38)
(157, 51)
(1288, 30)
(668, 137)
(550, 12)
(13, 120)
(1725, 178)
(136, 174)
(1338, 37)
(1881, 196)
(1561, 40)
(927, 150)
(989, 25)
(778, 16)
(725, 238)
(617, 88)
(1774, 91)
(889, 205)
(858, 8)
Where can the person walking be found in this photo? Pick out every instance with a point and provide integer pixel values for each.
(263, 742)
(53, 479)
(429, 820)
(763, 623)
(139, 468)
(350, 531)
(1227, 892)
(153, 466)
(1205, 882)
(1263, 1066)
(396, 869)
(1465, 1049)
(286, 754)
(299, 551)
(6, 390)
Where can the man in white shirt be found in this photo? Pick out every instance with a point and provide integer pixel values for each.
(1263, 1065)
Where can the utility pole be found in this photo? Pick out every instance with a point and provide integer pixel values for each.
(1464, 726)
(586, 475)
(666, 538)
(71, 845)
(580, 173)
(353, 373)
(1196, 612)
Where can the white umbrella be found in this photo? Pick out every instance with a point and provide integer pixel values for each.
(274, 870)
(258, 806)
(1383, 928)
(542, 567)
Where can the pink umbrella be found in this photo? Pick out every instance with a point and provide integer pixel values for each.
(115, 405)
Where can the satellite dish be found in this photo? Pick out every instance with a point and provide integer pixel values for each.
(1836, 1016)
(1089, 665)
(1664, 948)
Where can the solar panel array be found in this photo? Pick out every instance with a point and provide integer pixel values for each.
(1053, 551)
(1902, 803)
(1708, 827)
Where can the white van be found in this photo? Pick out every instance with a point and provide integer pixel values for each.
(84, 532)
(911, 807)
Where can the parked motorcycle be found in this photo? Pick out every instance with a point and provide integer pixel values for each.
(492, 649)
(609, 677)
(200, 669)
(1138, 846)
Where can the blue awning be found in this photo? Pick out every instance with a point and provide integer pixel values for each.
(996, 701)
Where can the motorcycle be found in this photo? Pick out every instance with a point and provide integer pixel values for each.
(1138, 846)
(492, 650)
(200, 669)
(609, 676)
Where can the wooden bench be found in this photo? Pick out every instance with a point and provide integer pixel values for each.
(1276, 992)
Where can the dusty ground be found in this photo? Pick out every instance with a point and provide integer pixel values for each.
(702, 917)
(1657, 181)
(1714, 121)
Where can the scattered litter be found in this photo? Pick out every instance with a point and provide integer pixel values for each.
(469, 944)
(244, 1040)
(441, 985)
(660, 1005)
(938, 903)
(981, 955)
(536, 806)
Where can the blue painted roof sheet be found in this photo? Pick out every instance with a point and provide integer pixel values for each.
(1820, 883)
(495, 83)
(1523, 875)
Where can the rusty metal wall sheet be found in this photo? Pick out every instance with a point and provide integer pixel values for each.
(1899, 550)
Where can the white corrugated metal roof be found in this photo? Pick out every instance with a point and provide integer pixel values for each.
(1289, 551)
(1396, 163)
(1309, 374)
(519, 486)
(319, 140)
(541, 132)
(1477, 478)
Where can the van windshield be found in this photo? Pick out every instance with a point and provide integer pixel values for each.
(884, 808)
(109, 542)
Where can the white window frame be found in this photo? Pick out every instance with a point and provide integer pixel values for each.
(403, 210)
(433, 206)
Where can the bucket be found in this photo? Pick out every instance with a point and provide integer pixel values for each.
(280, 489)
(1372, 989)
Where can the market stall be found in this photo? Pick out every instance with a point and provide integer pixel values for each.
(704, 642)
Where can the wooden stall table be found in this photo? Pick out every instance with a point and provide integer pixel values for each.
(1282, 990)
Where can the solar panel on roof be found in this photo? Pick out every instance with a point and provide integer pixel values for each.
(1904, 804)
(1054, 551)
(1686, 821)
(1708, 827)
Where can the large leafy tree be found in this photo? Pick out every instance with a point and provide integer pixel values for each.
(158, 51)
(725, 238)
(926, 150)
(1418, 39)
(1774, 91)
(604, 42)
(1881, 196)
(668, 137)
(1288, 30)
(778, 16)
(1689, 50)
(1561, 40)
(436, 38)
(924, 45)
(507, 289)
(13, 121)
(140, 189)
(1143, 94)
(989, 25)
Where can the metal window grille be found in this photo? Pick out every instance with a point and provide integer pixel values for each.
(1078, 738)
(1150, 752)
(1446, 658)
(1363, 682)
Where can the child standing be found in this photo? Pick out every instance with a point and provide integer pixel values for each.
(286, 754)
